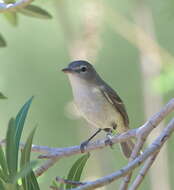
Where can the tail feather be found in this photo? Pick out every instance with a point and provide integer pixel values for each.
(127, 148)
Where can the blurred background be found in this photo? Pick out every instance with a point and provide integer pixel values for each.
(131, 45)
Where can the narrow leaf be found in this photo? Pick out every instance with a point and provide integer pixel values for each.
(3, 176)
(1, 94)
(25, 155)
(2, 185)
(2, 44)
(35, 11)
(12, 18)
(13, 138)
(3, 162)
(29, 180)
(76, 170)
(20, 120)
(34, 183)
(11, 148)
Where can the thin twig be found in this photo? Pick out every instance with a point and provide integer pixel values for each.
(34, 148)
(57, 153)
(99, 144)
(44, 167)
(143, 172)
(14, 6)
(55, 188)
(66, 181)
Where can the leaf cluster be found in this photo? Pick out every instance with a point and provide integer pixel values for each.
(15, 173)
(16, 170)
(30, 10)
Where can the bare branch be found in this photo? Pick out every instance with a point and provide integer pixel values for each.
(57, 153)
(34, 148)
(142, 135)
(151, 150)
(14, 6)
(55, 188)
(143, 171)
(66, 181)
(47, 164)
(54, 154)
(99, 144)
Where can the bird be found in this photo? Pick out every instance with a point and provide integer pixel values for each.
(98, 103)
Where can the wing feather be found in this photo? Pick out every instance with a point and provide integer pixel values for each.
(114, 99)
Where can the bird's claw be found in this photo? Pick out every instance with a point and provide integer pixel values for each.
(108, 141)
(83, 146)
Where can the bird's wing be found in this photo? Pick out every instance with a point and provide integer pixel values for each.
(113, 98)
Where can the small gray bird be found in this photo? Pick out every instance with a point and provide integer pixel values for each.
(97, 102)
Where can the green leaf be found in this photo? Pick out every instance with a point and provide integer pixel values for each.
(76, 170)
(11, 154)
(3, 163)
(13, 138)
(2, 95)
(29, 182)
(20, 120)
(3, 176)
(25, 170)
(35, 11)
(2, 44)
(25, 155)
(12, 18)
(34, 183)
(2, 185)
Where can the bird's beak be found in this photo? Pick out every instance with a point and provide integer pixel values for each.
(67, 70)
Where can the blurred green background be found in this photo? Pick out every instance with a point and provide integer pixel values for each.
(38, 49)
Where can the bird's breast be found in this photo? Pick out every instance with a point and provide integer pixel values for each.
(94, 107)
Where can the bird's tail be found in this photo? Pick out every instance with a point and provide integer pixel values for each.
(127, 148)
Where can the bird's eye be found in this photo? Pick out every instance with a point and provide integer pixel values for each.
(83, 69)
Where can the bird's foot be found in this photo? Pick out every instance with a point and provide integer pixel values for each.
(108, 141)
(83, 146)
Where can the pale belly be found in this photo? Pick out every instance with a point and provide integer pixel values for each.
(98, 111)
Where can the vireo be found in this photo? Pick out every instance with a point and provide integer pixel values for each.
(97, 102)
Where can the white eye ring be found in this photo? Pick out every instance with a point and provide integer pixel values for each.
(83, 69)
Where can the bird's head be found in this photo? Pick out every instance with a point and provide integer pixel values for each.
(81, 69)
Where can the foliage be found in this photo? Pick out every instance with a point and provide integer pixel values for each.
(75, 173)
(10, 171)
(29, 10)
(2, 41)
(2, 96)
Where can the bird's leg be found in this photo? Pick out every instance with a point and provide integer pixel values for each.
(85, 143)
(108, 137)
